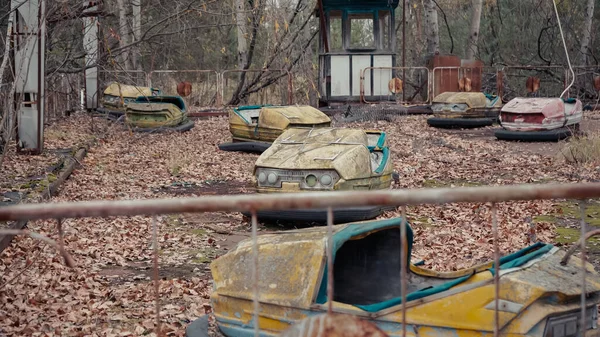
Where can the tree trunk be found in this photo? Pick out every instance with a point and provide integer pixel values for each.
(5, 118)
(124, 33)
(242, 46)
(432, 30)
(587, 32)
(472, 49)
(136, 56)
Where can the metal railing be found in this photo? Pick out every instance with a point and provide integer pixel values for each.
(328, 200)
(206, 90)
(257, 93)
(585, 85)
(453, 75)
(553, 80)
(418, 80)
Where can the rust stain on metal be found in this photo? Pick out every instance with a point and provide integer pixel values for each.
(395, 85)
(237, 203)
(334, 325)
(184, 89)
(532, 84)
(464, 84)
(500, 83)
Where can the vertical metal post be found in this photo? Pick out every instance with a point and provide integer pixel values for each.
(90, 45)
(29, 47)
(403, 267)
(583, 263)
(329, 260)
(496, 271)
(403, 48)
(255, 273)
(324, 37)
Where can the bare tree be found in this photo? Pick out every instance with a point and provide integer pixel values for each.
(123, 31)
(136, 6)
(432, 30)
(472, 49)
(242, 46)
(587, 32)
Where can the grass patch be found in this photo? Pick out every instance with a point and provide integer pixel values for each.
(572, 235)
(545, 218)
(571, 210)
(581, 149)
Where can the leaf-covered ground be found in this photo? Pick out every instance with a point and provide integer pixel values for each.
(110, 292)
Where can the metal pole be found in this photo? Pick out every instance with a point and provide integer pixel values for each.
(403, 47)
(254, 202)
(323, 27)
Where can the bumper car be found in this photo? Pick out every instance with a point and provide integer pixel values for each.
(537, 297)
(157, 114)
(116, 96)
(324, 159)
(254, 128)
(538, 119)
(462, 110)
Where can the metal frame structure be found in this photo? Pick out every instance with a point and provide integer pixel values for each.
(253, 203)
(285, 71)
(583, 71)
(90, 45)
(535, 68)
(460, 71)
(217, 92)
(394, 71)
(29, 41)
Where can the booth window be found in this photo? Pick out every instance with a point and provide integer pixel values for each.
(385, 32)
(335, 31)
(362, 33)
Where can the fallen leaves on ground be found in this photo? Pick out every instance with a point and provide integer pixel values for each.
(111, 292)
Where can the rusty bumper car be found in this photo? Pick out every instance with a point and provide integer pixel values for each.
(538, 295)
(324, 159)
(538, 119)
(157, 114)
(462, 110)
(117, 95)
(253, 128)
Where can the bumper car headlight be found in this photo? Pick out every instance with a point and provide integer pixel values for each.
(272, 178)
(326, 180)
(311, 180)
(306, 179)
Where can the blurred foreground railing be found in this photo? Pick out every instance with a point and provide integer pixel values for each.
(253, 203)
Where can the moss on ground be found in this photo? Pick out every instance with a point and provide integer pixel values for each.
(572, 235)
(567, 218)
(569, 209)
(545, 218)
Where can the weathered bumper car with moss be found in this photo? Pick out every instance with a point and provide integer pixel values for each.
(324, 159)
(158, 113)
(464, 110)
(254, 128)
(538, 296)
(539, 119)
(116, 96)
